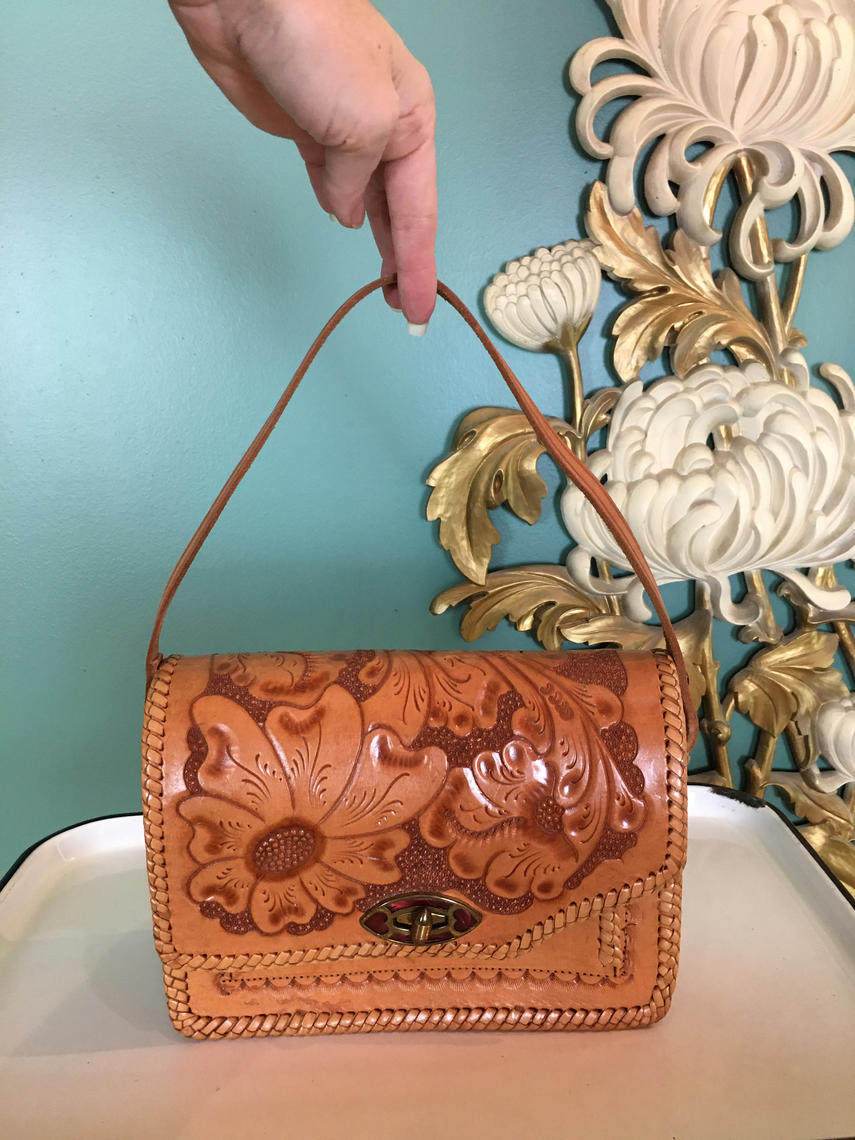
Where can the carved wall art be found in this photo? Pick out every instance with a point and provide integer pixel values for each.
(736, 472)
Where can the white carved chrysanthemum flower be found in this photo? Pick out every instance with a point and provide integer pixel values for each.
(834, 727)
(777, 494)
(774, 82)
(545, 301)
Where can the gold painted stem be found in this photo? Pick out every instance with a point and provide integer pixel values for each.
(766, 286)
(728, 705)
(771, 630)
(613, 601)
(793, 291)
(713, 722)
(797, 746)
(570, 355)
(760, 767)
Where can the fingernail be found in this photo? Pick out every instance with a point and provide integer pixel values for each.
(416, 330)
(332, 217)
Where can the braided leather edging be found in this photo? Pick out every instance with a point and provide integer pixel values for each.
(154, 730)
(676, 758)
(312, 1022)
(612, 956)
(612, 953)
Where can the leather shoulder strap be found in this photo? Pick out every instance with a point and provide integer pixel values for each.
(575, 470)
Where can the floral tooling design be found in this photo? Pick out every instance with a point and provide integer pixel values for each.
(282, 827)
(302, 808)
(524, 823)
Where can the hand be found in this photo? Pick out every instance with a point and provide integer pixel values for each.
(333, 76)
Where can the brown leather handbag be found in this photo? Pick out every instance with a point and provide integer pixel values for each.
(374, 840)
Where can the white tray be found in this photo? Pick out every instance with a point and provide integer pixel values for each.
(759, 1042)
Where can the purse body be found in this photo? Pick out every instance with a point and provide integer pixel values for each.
(362, 841)
(371, 840)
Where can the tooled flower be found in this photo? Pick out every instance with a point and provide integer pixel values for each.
(280, 828)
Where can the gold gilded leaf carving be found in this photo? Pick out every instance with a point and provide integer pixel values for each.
(836, 853)
(814, 805)
(544, 599)
(789, 682)
(538, 597)
(597, 411)
(614, 629)
(682, 306)
(494, 461)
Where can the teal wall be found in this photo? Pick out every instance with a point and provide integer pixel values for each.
(163, 267)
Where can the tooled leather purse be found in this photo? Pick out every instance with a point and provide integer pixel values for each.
(377, 840)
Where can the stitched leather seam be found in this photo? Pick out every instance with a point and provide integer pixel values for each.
(154, 721)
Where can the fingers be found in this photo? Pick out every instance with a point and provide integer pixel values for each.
(349, 167)
(410, 184)
(400, 200)
(378, 215)
(339, 81)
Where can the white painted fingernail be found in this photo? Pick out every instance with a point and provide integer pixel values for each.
(332, 217)
(416, 330)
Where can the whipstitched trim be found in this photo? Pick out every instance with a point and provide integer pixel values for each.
(675, 757)
(306, 1022)
(612, 951)
(154, 729)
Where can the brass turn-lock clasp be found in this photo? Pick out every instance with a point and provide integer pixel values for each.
(419, 919)
(421, 926)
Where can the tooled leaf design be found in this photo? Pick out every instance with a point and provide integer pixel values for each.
(538, 597)
(788, 682)
(494, 461)
(682, 306)
(525, 816)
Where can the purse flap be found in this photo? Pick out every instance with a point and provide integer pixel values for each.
(313, 806)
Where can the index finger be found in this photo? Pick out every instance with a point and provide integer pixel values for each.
(411, 198)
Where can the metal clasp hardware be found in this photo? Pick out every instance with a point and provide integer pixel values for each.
(419, 919)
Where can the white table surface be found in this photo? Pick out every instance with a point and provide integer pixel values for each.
(760, 1041)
